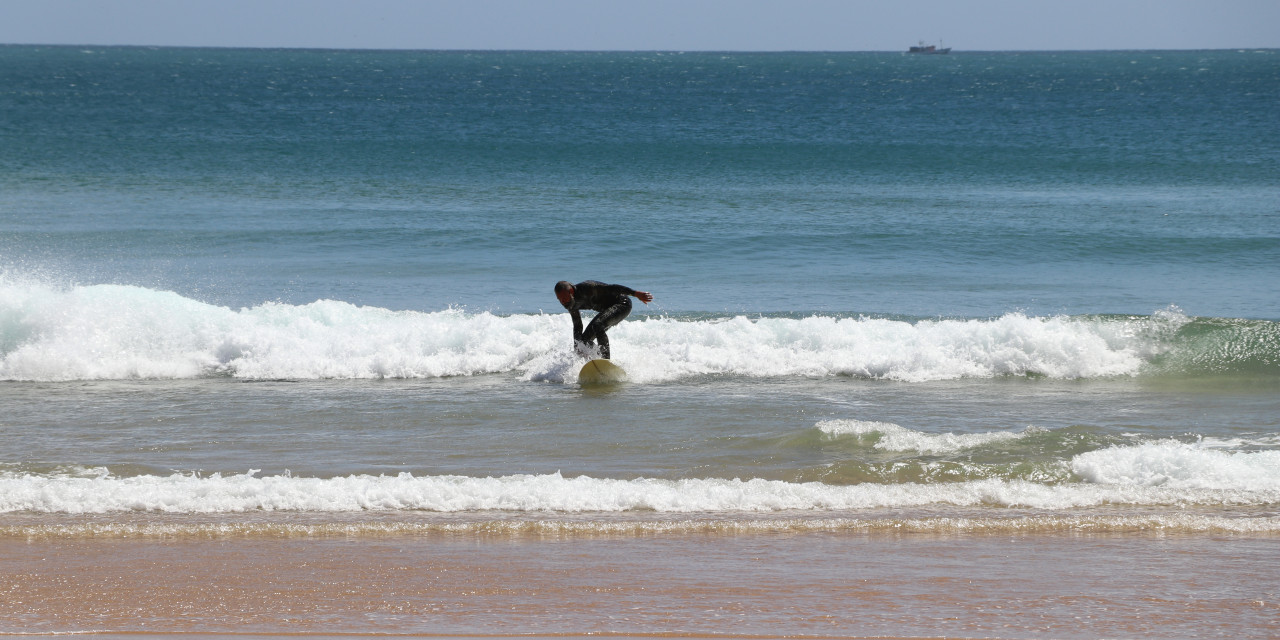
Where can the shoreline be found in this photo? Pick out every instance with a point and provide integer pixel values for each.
(1241, 522)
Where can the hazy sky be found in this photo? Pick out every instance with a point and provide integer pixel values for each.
(687, 25)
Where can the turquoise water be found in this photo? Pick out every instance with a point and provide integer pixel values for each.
(272, 287)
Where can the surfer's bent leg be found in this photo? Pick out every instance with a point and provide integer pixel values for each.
(604, 320)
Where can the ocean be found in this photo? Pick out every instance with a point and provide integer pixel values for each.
(978, 345)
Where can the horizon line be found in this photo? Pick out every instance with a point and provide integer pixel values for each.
(572, 50)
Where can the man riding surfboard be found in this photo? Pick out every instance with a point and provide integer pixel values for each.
(611, 302)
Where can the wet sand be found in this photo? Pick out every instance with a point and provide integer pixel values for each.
(815, 584)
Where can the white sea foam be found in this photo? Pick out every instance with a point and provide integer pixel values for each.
(188, 493)
(892, 437)
(122, 332)
(1181, 466)
(52, 333)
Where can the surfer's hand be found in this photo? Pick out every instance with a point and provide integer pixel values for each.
(644, 296)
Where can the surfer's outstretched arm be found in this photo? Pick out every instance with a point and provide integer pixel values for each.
(644, 296)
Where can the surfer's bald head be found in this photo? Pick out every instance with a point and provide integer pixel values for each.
(564, 292)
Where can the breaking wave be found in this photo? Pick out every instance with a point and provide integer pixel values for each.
(50, 333)
(1150, 474)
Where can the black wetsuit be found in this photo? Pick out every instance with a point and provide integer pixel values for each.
(612, 302)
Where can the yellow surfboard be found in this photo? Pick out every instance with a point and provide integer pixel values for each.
(601, 371)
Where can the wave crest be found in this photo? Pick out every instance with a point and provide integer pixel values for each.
(125, 332)
(892, 437)
(1178, 465)
(193, 494)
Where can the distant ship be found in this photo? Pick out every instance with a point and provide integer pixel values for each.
(928, 48)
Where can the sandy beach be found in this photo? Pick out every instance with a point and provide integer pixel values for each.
(760, 585)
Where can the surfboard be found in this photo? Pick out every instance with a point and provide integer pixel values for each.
(601, 371)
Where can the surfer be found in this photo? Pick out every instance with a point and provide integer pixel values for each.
(611, 302)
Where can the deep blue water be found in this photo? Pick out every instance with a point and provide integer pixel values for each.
(961, 186)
